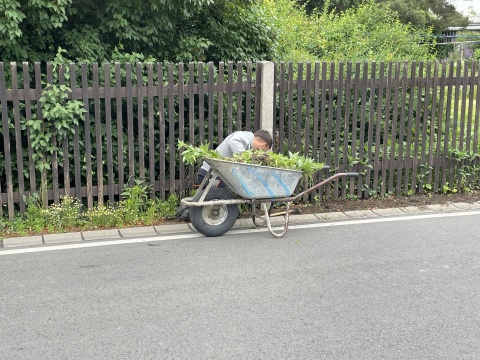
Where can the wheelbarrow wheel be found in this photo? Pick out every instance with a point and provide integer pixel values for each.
(214, 220)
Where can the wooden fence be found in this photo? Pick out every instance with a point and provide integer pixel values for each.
(407, 127)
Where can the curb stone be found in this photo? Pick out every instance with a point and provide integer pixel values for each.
(331, 216)
(101, 234)
(62, 238)
(23, 241)
(388, 212)
(442, 208)
(140, 231)
(467, 206)
(415, 209)
(360, 214)
(245, 223)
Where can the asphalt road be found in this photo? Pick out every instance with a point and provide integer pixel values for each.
(387, 290)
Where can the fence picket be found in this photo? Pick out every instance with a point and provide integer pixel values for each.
(161, 119)
(140, 122)
(18, 135)
(181, 127)
(88, 146)
(118, 103)
(98, 134)
(108, 128)
(378, 125)
(361, 152)
(211, 102)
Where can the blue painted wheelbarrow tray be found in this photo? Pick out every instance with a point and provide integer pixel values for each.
(213, 210)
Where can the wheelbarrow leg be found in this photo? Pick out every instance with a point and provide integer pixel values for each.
(269, 225)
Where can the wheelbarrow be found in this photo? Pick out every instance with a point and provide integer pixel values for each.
(214, 210)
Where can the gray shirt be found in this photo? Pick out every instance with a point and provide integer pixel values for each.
(235, 143)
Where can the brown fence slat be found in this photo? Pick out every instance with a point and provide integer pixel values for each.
(393, 146)
(338, 121)
(424, 165)
(299, 122)
(76, 135)
(220, 103)
(280, 90)
(140, 122)
(171, 127)
(329, 142)
(6, 142)
(130, 129)
(361, 153)
(18, 134)
(409, 130)
(323, 120)
(290, 108)
(446, 170)
(98, 134)
(88, 146)
(354, 138)
(211, 102)
(54, 164)
(239, 93)
(416, 140)
(191, 114)
(378, 125)
(161, 118)
(108, 135)
(436, 182)
(201, 102)
(401, 135)
(347, 135)
(388, 98)
(308, 100)
(431, 144)
(181, 127)
(471, 88)
(28, 116)
(370, 127)
(230, 98)
(248, 97)
(463, 112)
(65, 144)
(118, 104)
(316, 123)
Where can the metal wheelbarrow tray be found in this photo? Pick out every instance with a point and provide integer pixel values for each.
(213, 210)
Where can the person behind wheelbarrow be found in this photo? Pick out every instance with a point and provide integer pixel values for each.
(235, 143)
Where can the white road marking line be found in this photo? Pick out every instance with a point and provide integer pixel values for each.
(235, 232)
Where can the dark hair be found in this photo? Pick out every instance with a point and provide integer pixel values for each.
(265, 136)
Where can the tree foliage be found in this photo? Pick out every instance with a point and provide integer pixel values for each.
(438, 14)
(369, 32)
(175, 30)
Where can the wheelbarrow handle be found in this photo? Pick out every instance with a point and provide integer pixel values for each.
(352, 174)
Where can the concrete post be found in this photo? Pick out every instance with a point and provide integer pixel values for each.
(267, 99)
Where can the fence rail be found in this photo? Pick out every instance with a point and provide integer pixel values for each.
(407, 127)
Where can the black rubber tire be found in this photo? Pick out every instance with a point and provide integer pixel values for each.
(214, 220)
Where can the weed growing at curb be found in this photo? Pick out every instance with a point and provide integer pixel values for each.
(71, 215)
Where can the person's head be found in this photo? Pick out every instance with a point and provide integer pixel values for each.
(262, 139)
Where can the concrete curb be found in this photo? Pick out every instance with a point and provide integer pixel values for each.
(245, 223)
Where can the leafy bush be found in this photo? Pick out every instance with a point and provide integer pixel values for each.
(70, 215)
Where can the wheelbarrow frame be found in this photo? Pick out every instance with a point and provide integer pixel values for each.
(210, 181)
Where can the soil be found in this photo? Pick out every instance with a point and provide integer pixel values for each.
(419, 200)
